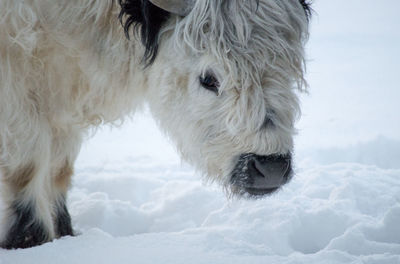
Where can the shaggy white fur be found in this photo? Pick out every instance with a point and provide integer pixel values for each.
(257, 53)
(66, 66)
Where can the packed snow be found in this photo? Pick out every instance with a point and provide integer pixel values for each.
(144, 212)
(133, 201)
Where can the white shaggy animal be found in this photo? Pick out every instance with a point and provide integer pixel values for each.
(220, 77)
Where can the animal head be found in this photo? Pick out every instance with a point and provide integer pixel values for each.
(223, 77)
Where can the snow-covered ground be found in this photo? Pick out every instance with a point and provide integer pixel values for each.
(134, 202)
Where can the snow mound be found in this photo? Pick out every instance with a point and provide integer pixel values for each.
(140, 213)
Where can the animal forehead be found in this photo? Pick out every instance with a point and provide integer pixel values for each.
(247, 36)
(239, 23)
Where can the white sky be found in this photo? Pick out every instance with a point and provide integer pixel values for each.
(353, 70)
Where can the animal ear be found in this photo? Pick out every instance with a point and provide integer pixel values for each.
(178, 7)
(147, 19)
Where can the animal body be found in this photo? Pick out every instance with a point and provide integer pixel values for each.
(219, 76)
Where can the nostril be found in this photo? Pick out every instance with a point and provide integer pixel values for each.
(272, 164)
(274, 169)
(261, 167)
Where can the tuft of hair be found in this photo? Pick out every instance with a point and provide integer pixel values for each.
(147, 19)
(248, 37)
(307, 8)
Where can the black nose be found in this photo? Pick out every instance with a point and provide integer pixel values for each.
(258, 175)
(270, 171)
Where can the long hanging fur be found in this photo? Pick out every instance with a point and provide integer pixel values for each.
(147, 19)
(235, 39)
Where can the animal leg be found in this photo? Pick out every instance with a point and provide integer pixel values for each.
(65, 148)
(35, 194)
(28, 219)
(62, 219)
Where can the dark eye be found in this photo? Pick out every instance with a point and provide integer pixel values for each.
(209, 82)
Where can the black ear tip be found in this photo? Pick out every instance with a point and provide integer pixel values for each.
(307, 8)
(148, 19)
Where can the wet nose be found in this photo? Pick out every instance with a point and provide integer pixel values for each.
(270, 171)
(258, 175)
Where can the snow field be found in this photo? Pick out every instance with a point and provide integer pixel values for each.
(140, 213)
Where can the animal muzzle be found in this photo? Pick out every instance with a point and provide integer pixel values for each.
(257, 175)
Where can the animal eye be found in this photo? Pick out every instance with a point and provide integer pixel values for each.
(209, 82)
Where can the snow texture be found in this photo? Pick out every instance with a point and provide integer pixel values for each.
(142, 213)
(133, 202)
